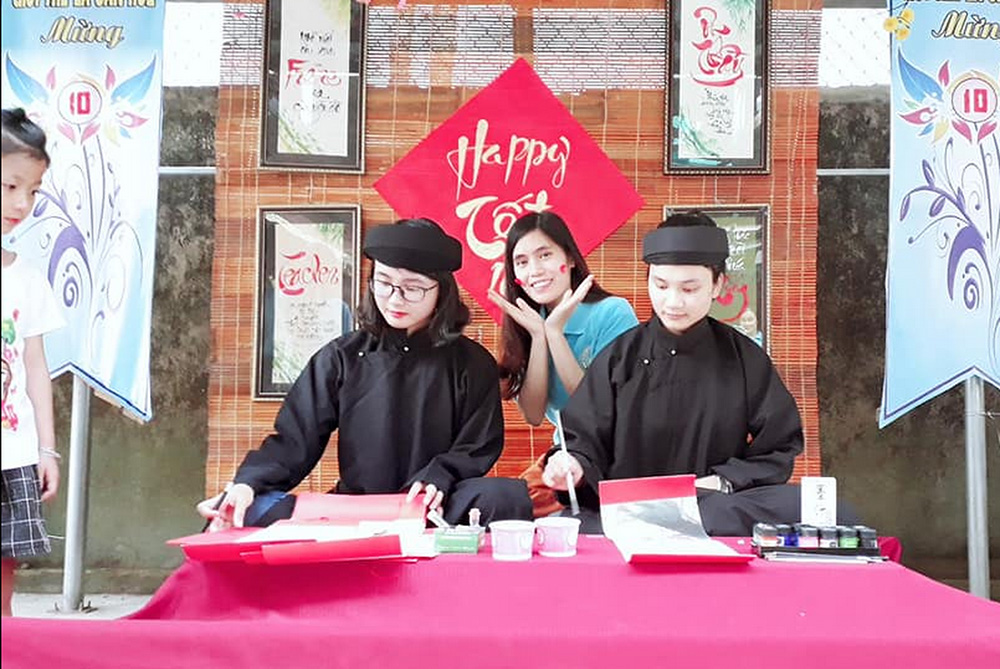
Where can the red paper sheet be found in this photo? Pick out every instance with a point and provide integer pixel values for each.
(231, 545)
(620, 491)
(219, 546)
(368, 548)
(701, 559)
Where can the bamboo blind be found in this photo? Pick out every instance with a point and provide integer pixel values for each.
(416, 79)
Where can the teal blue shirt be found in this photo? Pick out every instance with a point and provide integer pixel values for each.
(592, 326)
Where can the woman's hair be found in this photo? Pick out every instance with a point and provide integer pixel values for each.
(516, 340)
(450, 316)
(22, 135)
(695, 218)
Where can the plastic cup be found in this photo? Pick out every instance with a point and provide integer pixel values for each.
(557, 536)
(512, 540)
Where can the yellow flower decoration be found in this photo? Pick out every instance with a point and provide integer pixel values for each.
(900, 25)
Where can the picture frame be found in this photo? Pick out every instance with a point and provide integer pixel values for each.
(718, 95)
(312, 103)
(745, 298)
(307, 288)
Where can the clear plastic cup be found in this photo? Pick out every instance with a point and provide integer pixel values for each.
(557, 536)
(512, 540)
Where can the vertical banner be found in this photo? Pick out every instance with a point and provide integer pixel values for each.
(91, 77)
(943, 275)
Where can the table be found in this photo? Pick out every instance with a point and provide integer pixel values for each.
(471, 611)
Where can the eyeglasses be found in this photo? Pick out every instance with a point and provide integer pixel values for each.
(411, 294)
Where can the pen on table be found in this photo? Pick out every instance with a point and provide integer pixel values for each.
(574, 505)
(218, 505)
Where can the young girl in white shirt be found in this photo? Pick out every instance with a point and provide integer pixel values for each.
(30, 462)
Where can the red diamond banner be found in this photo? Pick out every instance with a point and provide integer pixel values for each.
(512, 149)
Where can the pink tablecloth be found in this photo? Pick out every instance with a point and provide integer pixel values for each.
(471, 611)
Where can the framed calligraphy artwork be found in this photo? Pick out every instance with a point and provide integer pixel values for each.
(312, 107)
(743, 301)
(717, 88)
(307, 288)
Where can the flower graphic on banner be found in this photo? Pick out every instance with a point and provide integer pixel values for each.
(967, 105)
(900, 25)
(958, 185)
(93, 252)
(81, 101)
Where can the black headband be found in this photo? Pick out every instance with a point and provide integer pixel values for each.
(417, 248)
(686, 245)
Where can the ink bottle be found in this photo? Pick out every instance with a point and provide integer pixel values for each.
(808, 536)
(786, 536)
(847, 537)
(867, 537)
(828, 537)
(765, 534)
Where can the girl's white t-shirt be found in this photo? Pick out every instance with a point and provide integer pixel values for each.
(29, 309)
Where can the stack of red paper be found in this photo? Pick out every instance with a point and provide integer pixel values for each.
(323, 528)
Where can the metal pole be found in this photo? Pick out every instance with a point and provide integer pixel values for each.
(975, 472)
(76, 497)
(852, 172)
(195, 170)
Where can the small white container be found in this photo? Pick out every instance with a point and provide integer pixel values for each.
(557, 536)
(512, 540)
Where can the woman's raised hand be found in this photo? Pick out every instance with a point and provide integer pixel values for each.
(521, 312)
(567, 305)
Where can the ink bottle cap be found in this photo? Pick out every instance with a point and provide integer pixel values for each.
(847, 537)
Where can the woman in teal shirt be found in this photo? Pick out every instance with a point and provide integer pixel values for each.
(556, 320)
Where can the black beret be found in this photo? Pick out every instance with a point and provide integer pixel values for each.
(419, 248)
